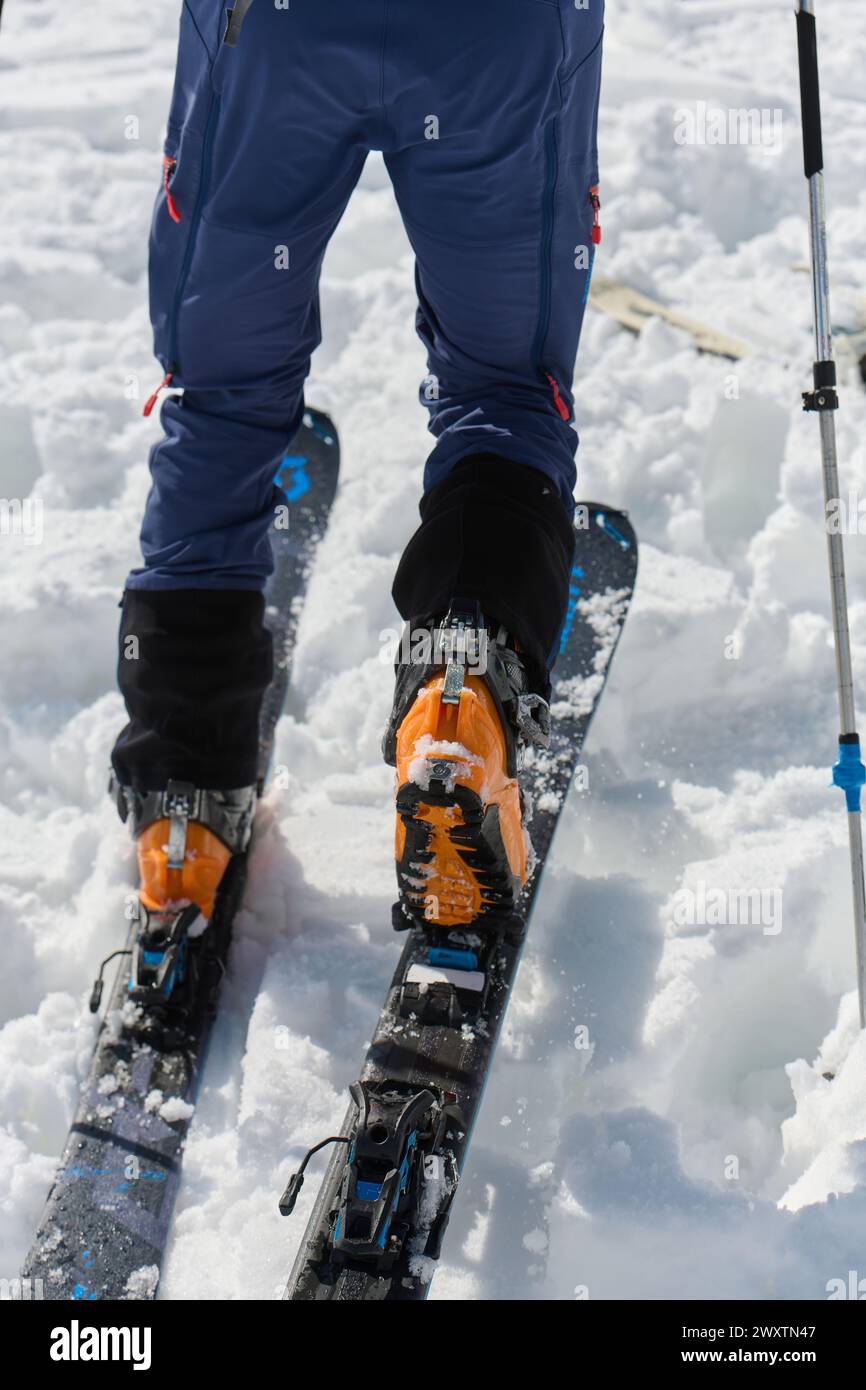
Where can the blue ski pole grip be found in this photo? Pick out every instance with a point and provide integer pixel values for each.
(849, 772)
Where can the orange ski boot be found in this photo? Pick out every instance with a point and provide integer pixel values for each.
(187, 839)
(462, 718)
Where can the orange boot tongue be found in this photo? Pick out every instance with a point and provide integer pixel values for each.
(164, 884)
(187, 840)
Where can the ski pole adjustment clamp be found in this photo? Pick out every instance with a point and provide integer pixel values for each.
(824, 395)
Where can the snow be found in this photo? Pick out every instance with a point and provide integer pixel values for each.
(142, 1282)
(672, 1130)
(428, 751)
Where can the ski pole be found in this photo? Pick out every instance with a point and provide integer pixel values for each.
(849, 772)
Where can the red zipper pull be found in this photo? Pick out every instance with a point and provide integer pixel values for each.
(152, 400)
(168, 167)
(557, 398)
(596, 208)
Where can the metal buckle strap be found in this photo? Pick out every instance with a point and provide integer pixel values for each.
(460, 642)
(229, 814)
(180, 802)
(532, 717)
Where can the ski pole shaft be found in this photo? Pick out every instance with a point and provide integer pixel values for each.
(848, 771)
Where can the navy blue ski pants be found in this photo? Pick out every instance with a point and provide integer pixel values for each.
(486, 113)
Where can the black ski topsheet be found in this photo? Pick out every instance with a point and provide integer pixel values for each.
(457, 1059)
(106, 1222)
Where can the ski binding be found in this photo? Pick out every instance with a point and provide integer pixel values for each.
(399, 1177)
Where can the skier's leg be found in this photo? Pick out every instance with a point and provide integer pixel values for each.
(495, 168)
(263, 158)
(264, 147)
(495, 108)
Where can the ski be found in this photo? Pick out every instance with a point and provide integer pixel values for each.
(106, 1222)
(376, 1228)
(634, 310)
